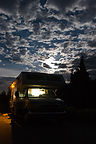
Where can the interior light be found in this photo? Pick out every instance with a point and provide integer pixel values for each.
(36, 92)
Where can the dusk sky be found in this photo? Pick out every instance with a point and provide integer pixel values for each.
(47, 36)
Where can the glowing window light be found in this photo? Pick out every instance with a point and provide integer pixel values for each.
(35, 92)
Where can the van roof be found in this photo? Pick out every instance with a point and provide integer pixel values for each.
(41, 79)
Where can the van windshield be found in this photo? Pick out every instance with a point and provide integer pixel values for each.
(42, 93)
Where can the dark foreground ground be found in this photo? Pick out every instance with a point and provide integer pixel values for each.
(78, 128)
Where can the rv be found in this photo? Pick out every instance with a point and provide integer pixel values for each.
(35, 94)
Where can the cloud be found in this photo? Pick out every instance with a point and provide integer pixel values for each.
(90, 6)
(32, 9)
(9, 72)
(9, 5)
(88, 10)
(92, 43)
(22, 7)
(29, 7)
(83, 10)
(46, 39)
(61, 4)
(43, 2)
(36, 28)
(62, 65)
(46, 66)
(1, 50)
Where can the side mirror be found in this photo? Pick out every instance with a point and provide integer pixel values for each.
(17, 94)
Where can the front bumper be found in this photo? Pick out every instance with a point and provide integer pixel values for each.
(45, 115)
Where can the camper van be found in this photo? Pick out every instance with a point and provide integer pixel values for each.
(35, 94)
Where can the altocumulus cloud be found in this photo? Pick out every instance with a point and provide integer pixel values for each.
(9, 5)
(46, 35)
(23, 6)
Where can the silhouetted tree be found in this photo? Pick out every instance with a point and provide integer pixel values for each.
(80, 76)
(4, 102)
(82, 65)
(80, 82)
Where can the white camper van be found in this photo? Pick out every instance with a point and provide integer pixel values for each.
(36, 94)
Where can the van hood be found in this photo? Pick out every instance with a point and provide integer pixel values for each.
(46, 105)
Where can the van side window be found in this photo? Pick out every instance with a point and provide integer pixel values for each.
(22, 94)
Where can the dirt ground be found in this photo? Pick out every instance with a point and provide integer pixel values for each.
(69, 130)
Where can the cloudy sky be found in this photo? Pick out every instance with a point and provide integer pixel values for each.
(47, 36)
